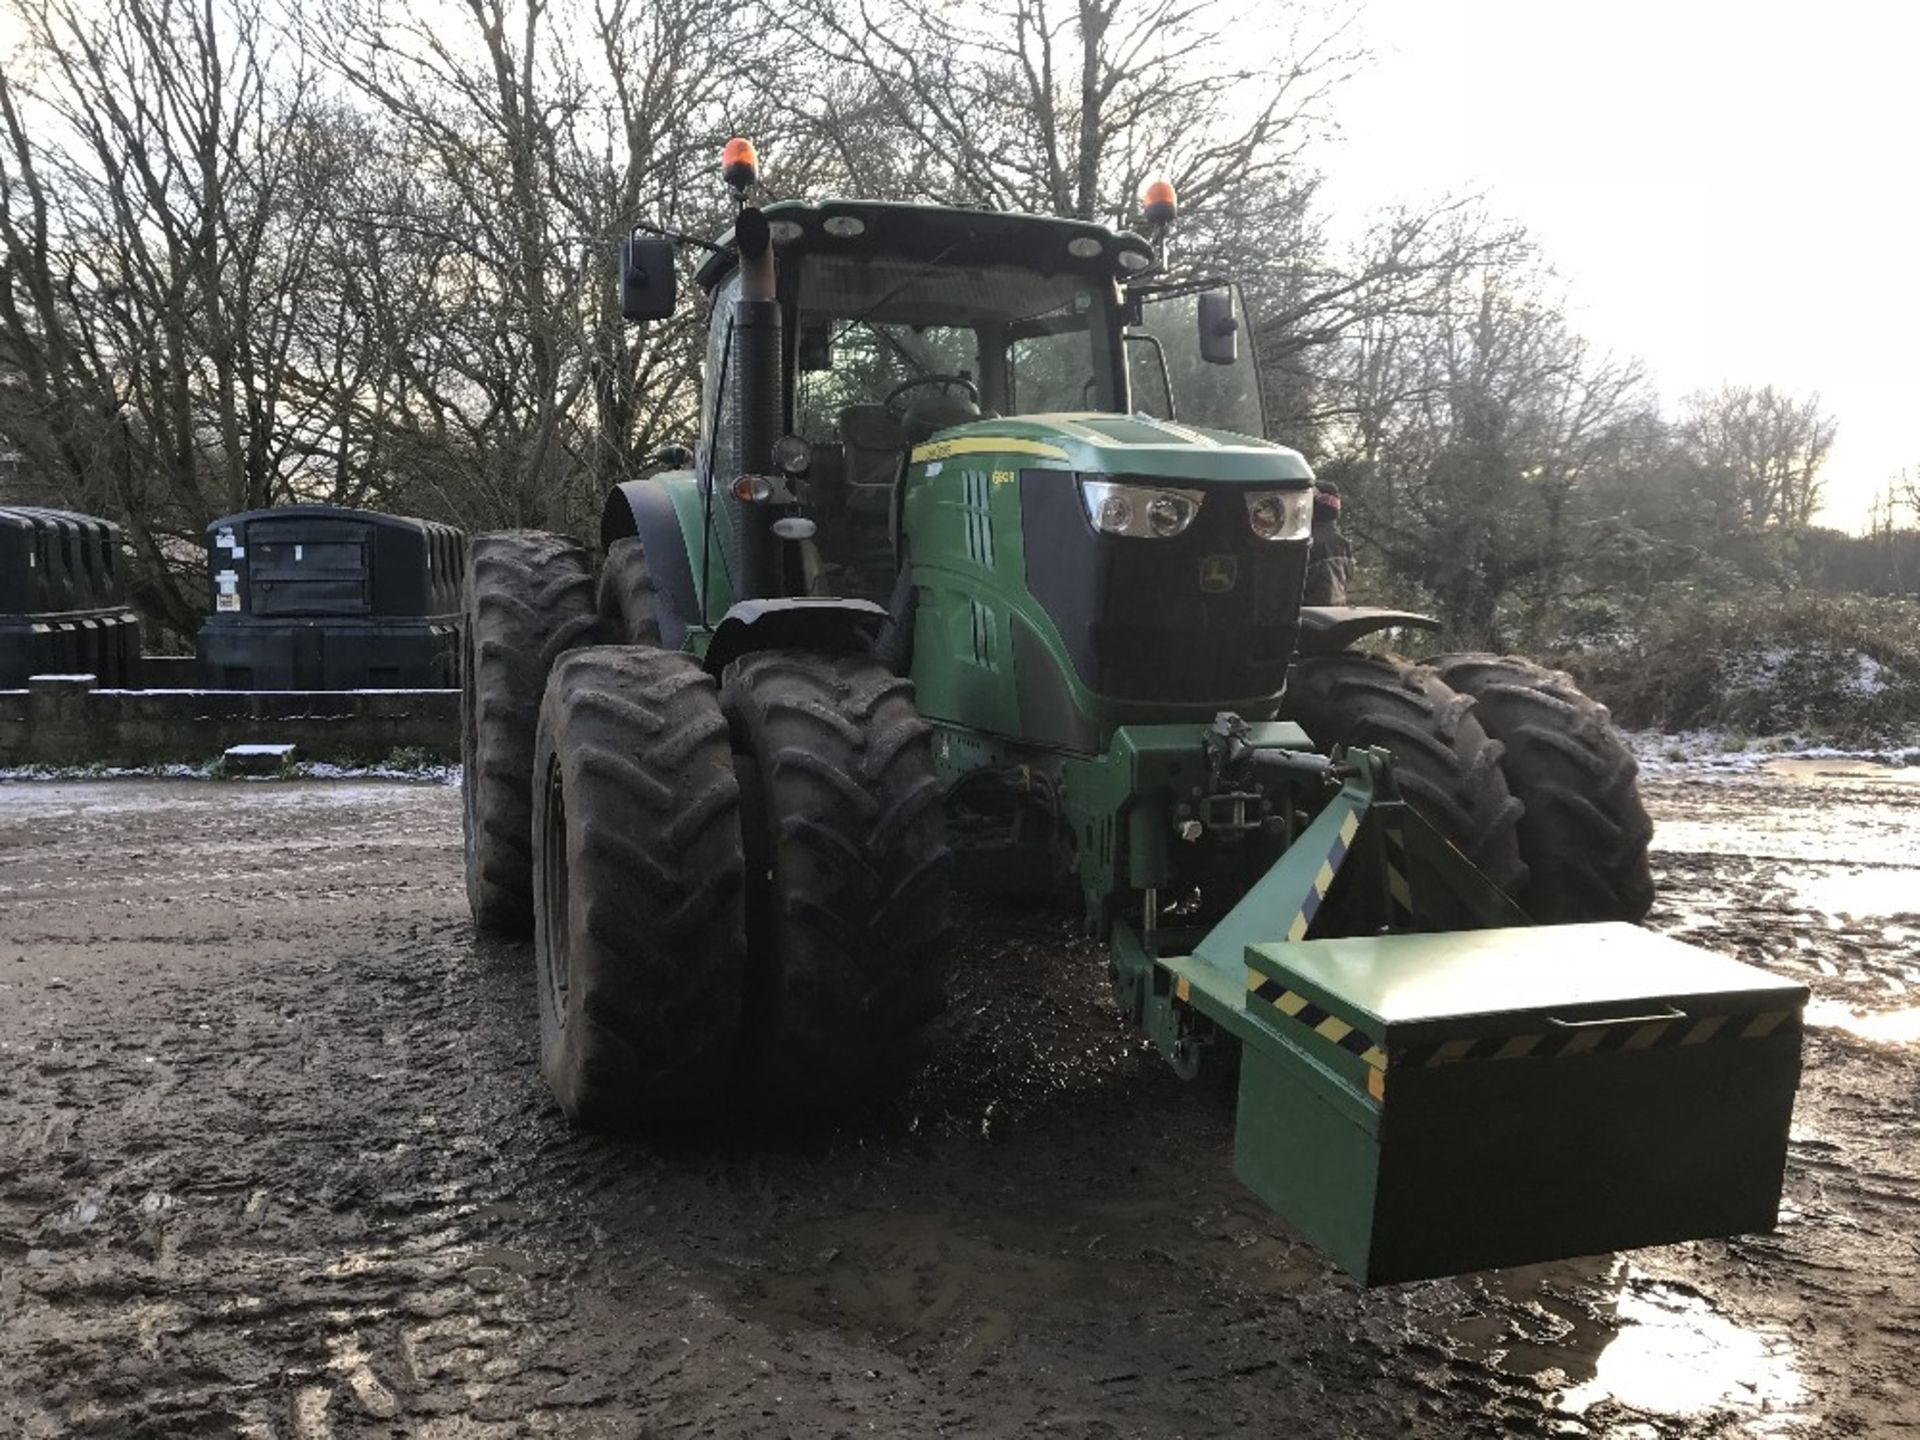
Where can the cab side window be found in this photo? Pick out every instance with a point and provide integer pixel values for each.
(717, 383)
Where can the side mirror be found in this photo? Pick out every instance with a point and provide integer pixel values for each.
(1219, 329)
(672, 457)
(646, 278)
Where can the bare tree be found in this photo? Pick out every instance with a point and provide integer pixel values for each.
(531, 138)
(1903, 491)
(1065, 107)
(1770, 446)
(1469, 426)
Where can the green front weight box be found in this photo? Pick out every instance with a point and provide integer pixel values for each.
(1424, 1105)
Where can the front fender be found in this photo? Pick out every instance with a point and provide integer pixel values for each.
(645, 508)
(835, 626)
(1329, 629)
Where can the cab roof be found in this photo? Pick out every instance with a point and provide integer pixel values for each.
(943, 234)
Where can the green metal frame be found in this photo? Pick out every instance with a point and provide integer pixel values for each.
(1185, 990)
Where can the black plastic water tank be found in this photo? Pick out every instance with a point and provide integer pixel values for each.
(321, 597)
(63, 599)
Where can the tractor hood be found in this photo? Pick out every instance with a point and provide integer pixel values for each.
(1096, 443)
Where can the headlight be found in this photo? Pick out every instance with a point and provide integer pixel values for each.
(1281, 514)
(1146, 512)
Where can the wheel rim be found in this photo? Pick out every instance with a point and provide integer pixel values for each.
(555, 922)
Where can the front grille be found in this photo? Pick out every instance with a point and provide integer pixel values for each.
(1210, 615)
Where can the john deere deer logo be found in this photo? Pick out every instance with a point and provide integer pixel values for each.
(1219, 573)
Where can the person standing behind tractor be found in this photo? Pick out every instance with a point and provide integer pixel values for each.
(1330, 557)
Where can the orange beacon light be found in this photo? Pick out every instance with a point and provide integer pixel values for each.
(1159, 203)
(739, 164)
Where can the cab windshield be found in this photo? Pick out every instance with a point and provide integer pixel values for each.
(918, 339)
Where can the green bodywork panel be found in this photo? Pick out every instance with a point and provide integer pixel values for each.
(1094, 443)
(683, 489)
(986, 654)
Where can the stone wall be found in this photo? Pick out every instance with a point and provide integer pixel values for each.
(68, 720)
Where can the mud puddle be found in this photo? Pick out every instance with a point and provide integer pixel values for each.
(1883, 1027)
(1622, 1340)
(1808, 771)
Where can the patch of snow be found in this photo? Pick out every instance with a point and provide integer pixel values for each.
(108, 772)
(1755, 669)
(1692, 753)
(1709, 754)
(301, 770)
(1869, 677)
(426, 774)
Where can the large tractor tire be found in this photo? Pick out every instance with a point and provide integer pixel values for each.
(1584, 833)
(847, 873)
(1447, 766)
(529, 599)
(628, 604)
(639, 928)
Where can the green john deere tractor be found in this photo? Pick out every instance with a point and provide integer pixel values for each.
(977, 581)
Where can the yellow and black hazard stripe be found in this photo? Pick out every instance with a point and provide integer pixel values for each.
(1604, 1039)
(1399, 891)
(1580, 1039)
(1323, 1022)
(1323, 878)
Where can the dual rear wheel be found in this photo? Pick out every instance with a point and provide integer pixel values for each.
(1524, 774)
(529, 600)
(1583, 832)
(735, 890)
(740, 888)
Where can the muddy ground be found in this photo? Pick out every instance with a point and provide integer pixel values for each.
(275, 1160)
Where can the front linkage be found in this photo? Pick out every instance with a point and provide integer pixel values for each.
(1393, 871)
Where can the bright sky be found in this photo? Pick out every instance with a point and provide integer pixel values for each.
(1728, 188)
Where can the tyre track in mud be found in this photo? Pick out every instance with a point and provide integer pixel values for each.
(275, 1161)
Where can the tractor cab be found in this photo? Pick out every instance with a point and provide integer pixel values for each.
(938, 314)
(900, 322)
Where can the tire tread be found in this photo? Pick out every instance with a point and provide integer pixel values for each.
(1446, 764)
(529, 600)
(1584, 831)
(856, 895)
(656, 878)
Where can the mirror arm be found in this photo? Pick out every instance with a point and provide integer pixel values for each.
(677, 236)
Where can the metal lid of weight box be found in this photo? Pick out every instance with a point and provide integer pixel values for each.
(1414, 989)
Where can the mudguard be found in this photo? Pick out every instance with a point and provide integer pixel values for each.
(836, 626)
(1329, 629)
(643, 508)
